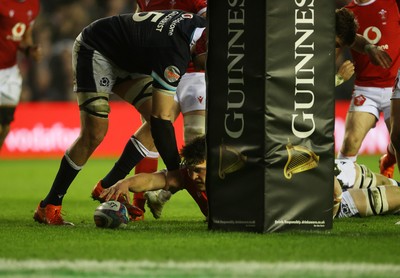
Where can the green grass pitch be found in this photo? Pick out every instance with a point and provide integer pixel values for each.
(179, 243)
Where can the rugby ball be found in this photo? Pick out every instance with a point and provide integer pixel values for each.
(111, 214)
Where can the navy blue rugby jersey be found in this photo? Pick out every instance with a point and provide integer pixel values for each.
(156, 42)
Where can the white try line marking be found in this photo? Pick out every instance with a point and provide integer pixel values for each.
(119, 268)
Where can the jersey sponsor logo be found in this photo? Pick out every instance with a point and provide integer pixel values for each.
(372, 34)
(172, 74)
(189, 16)
(17, 32)
(104, 82)
(359, 100)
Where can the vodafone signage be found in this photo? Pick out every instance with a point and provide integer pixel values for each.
(47, 129)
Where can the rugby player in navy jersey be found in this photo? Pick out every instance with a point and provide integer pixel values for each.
(115, 55)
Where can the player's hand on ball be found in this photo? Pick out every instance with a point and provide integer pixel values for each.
(115, 191)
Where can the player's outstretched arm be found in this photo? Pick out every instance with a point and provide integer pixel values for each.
(137, 183)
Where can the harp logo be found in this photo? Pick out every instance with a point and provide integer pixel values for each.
(300, 159)
(230, 160)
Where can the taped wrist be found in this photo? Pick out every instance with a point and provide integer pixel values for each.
(163, 133)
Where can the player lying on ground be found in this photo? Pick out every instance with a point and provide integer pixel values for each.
(360, 192)
(193, 170)
(365, 193)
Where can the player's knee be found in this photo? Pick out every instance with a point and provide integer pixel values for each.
(194, 126)
(95, 104)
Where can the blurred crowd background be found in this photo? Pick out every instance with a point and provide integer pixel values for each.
(56, 28)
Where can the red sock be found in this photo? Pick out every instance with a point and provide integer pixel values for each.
(148, 165)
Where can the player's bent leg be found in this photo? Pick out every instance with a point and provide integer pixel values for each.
(94, 123)
(94, 110)
(357, 126)
(395, 124)
(371, 201)
(4, 130)
(6, 117)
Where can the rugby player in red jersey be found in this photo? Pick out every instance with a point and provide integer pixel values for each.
(16, 21)
(379, 23)
(116, 55)
(193, 170)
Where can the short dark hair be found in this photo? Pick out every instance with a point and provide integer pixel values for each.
(194, 152)
(346, 26)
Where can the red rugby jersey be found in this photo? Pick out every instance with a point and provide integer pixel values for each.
(192, 6)
(379, 22)
(15, 18)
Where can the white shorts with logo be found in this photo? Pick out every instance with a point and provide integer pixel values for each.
(191, 92)
(10, 86)
(396, 88)
(372, 100)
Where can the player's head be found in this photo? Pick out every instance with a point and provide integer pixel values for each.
(194, 159)
(346, 27)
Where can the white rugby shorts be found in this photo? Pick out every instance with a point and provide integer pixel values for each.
(372, 100)
(10, 86)
(191, 92)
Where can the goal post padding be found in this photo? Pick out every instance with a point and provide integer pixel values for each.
(270, 121)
